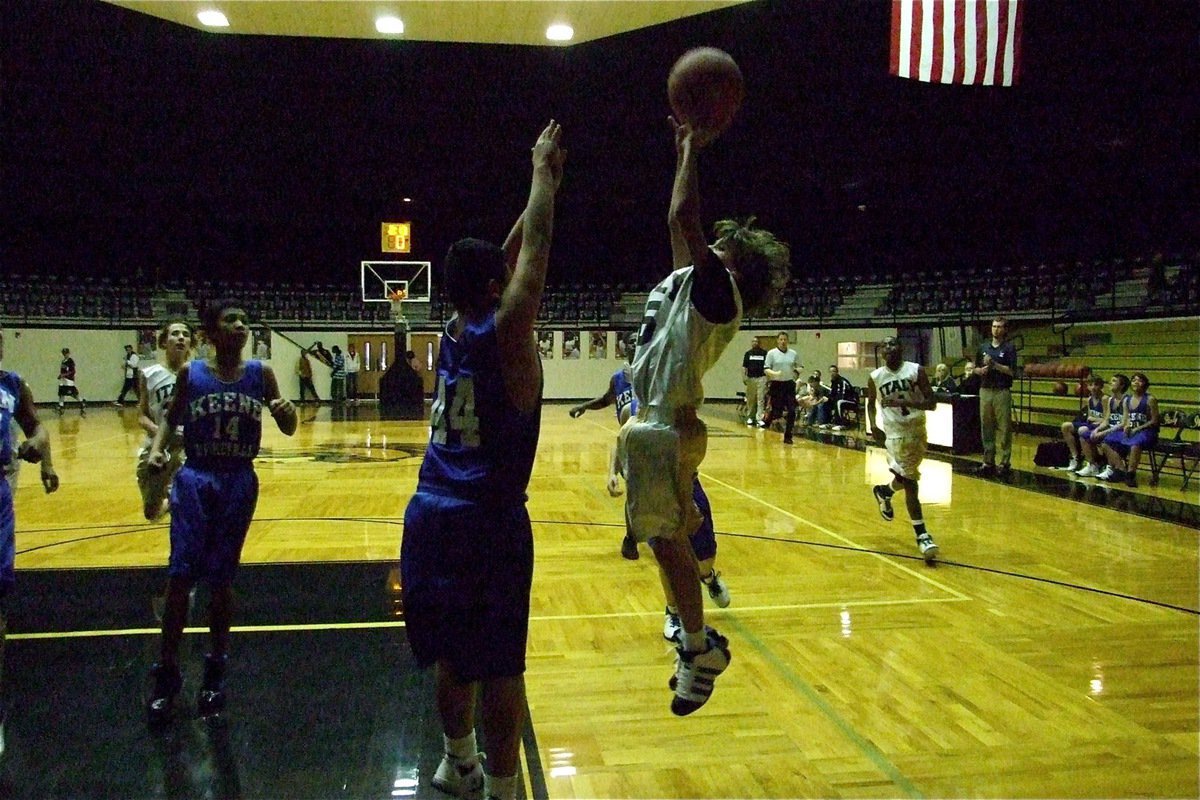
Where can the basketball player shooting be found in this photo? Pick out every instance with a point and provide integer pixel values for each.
(690, 319)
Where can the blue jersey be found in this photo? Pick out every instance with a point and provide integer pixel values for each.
(222, 425)
(481, 447)
(623, 390)
(10, 395)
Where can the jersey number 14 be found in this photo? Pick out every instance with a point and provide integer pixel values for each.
(460, 425)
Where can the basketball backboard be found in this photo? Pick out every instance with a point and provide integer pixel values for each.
(381, 278)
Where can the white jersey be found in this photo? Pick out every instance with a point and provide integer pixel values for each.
(160, 384)
(676, 346)
(899, 385)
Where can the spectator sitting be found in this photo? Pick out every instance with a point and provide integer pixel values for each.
(943, 382)
(970, 381)
(815, 398)
(843, 398)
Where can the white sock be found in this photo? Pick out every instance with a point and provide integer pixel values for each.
(694, 642)
(463, 748)
(501, 788)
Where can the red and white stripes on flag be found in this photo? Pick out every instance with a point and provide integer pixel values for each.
(975, 42)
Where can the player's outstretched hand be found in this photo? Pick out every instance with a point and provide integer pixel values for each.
(687, 136)
(157, 459)
(577, 412)
(28, 452)
(49, 479)
(547, 151)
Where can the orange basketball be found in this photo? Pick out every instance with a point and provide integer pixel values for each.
(705, 88)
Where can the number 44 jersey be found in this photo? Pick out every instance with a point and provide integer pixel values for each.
(480, 446)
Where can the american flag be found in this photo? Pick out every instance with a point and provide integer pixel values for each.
(975, 42)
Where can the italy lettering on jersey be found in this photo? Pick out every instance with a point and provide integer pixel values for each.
(10, 395)
(677, 345)
(223, 421)
(624, 393)
(480, 446)
(160, 385)
(901, 385)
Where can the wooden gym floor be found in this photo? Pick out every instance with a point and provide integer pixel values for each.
(1053, 652)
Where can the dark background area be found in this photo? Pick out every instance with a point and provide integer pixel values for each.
(130, 145)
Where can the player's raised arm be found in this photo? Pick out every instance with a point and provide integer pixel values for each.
(523, 294)
(688, 244)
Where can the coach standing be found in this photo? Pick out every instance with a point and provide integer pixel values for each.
(997, 362)
(755, 380)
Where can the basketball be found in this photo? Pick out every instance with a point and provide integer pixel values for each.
(705, 89)
(1060, 388)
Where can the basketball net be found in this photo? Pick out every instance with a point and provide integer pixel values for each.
(397, 298)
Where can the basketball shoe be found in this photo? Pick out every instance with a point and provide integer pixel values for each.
(885, 502)
(461, 777)
(928, 547)
(717, 589)
(210, 700)
(167, 683)
(695, 673)
(672, 627)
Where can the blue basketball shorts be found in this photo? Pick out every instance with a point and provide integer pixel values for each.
(466, 569)
(211, 512)
(704, 539)
(8, 549)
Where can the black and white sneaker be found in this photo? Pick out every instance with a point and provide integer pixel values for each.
(928, 547)
(885, 502)
(696, 673)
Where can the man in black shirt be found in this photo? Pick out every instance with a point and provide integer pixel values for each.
(755, 380)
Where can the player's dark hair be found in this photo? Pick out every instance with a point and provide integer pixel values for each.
(210, 317)
(763, 262)
(1142, 375)
(470, 264)
(1123, 380)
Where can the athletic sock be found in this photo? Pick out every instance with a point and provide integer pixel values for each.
(463, 748)
(919, 526)
(693, 642)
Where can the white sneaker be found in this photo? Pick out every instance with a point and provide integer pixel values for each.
(928, 547)
(1071, 466)
(672, 627)
(717, 589)
(461, 777)
(1106, 474)
(1089, 471)
(695, 674)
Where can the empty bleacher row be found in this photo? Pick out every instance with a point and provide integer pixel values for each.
(1100, 289)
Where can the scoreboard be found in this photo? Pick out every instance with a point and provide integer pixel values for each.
(397, 237)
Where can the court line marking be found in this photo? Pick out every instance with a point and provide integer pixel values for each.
(864, 745)
(838, 537)
(382, 624)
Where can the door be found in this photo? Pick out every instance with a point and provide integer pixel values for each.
(425, 345)
(375, 354)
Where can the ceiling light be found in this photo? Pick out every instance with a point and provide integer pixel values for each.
(560, 32)
(213, 19)
(389, 24)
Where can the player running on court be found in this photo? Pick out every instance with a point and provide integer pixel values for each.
(905, 395)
